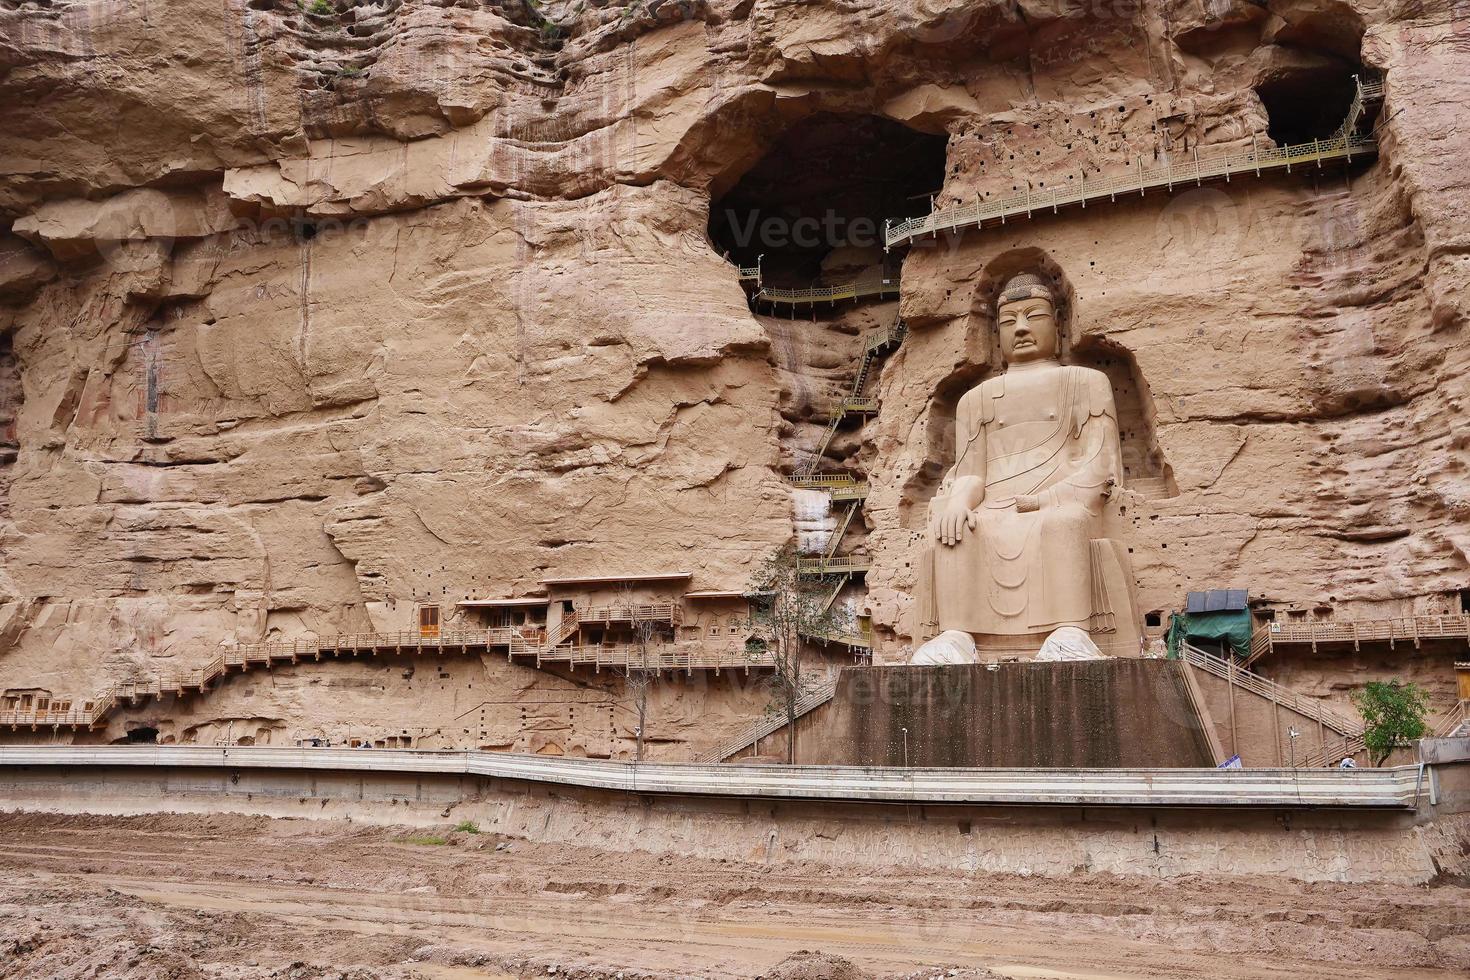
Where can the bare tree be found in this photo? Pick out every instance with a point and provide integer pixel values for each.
(638, 675)
(790, 605)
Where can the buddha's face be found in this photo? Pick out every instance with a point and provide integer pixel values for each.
(1028, 330)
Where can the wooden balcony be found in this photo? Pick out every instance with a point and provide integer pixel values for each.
(669, 613)
(1407, 629)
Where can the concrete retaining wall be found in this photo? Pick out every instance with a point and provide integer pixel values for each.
(1309, 844)
(1106, 714)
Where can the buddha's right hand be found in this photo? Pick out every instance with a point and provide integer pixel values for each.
(949, 527)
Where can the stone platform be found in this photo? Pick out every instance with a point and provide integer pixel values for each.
(1105, 714)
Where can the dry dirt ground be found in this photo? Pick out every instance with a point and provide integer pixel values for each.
(182, 897)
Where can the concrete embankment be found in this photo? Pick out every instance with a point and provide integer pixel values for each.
(1398, 838)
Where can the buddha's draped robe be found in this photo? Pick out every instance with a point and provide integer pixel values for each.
(1043, 430)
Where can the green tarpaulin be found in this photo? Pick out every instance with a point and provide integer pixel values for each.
(1233, 626)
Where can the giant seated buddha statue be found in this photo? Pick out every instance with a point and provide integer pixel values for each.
(1021, 554)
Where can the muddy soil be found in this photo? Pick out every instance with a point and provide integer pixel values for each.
(230, 897)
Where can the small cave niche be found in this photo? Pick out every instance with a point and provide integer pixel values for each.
(811, 210)
(141, 735)
(1144, 466)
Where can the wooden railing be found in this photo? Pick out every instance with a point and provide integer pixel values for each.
(1260, 645)
(515, 641)
(658, 612)
(1336, 749)
(71, 718)
(1344, 144)
(1284, 696)
(861, 639)
(841, 564)
(1413, 629)
(1456, 718)
(657, 657)
(809, 702)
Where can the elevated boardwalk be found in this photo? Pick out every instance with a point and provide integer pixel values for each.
(530, 647)
(1394, 789)
(834, 565)
(1354, 633)
(868, 288)
(1345, 144)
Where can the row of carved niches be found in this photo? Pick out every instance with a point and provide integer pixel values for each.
(1145, 468)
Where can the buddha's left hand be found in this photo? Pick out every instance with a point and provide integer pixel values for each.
(1026, 503)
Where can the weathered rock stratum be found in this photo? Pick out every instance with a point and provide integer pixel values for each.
(314, 312)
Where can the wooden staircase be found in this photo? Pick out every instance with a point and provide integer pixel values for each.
(1256, 684)
(808, 703)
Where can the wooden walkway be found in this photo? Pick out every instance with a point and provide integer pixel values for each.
(1345, 144)
(533, 648)
(1406, 629)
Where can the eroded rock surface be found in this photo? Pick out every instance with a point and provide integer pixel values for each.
(312, 313)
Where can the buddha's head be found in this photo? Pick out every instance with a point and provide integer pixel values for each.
(1027, 315)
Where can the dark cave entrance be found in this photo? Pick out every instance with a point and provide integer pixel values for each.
(142, 735)
(811, 210)
(1308, 104)
(1310, 85)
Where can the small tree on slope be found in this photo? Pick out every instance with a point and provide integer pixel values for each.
(1393, 713)
(788, 608)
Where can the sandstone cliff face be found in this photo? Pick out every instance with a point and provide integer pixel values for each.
(312, 314)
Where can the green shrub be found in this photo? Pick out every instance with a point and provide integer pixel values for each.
(466, 827)
(323, 8)
(1393, 713)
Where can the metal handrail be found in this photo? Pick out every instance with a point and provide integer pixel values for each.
(829, 294)
(1343, 144)
(818, 480)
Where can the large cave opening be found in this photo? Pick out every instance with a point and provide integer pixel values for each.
(1311, 75)
(811, 210)
(1307, 102)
